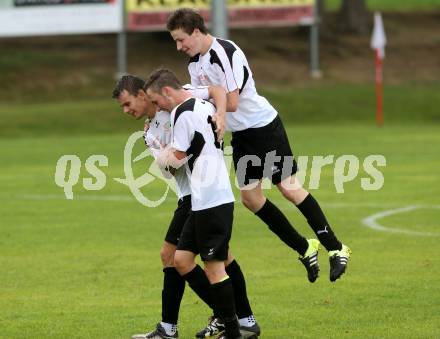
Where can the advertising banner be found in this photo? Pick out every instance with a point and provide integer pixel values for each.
(54, 17)
(149, 15)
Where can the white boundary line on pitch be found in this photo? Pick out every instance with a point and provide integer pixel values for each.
(372, 220)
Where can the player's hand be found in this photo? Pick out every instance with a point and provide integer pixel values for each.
(146, 126)
(156, 144)
(167, 158)
(219, 119)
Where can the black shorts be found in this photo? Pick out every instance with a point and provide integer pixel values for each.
(263, 152)
(208, 232)
(181, 213)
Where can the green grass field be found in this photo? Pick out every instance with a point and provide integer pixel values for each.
(90, 268)
(394, 5)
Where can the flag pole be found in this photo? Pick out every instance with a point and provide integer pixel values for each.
(379, 89)
(378, 42)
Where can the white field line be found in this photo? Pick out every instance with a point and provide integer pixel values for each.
(372, 220)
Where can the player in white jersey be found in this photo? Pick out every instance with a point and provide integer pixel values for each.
(208, 230)
(260, 144)
(130, 93)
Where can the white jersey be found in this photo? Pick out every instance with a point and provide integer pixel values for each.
(201, 92)
(192, 133)
(225, 65)
(159, 135)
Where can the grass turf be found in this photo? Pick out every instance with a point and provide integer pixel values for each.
(393, 5)
(325, 104)
(90, 268)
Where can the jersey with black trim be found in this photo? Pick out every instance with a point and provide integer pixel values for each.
(159, 135)
(201, 92)
(226, 65)
(193, 133)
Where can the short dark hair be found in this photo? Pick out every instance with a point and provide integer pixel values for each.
(186, 19)
(130, 83)
(161, 78)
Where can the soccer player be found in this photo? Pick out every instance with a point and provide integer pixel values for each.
(207, 232)
(258, 136)
(129, 92)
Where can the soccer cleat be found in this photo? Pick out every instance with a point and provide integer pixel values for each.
(215, 326)
(310, 259)
(250, 332)
(158, 333)
(338, 262)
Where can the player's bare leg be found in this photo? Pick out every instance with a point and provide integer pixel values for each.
(167, 254)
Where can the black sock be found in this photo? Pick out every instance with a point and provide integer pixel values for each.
(279, 225)
(317, 221)
(172, 293)
(242, 306)
(199, 283)
(222, 295)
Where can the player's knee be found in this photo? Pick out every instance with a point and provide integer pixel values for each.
(252, 202)
(292, 190)
(215, 274)
(246, 202)
(293, 194)
(210, 275)
(287, 193)
(167, 257)
(182, 265)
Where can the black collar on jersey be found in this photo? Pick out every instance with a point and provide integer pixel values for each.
(188, 105)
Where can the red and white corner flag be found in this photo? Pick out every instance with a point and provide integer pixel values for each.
(378, 42)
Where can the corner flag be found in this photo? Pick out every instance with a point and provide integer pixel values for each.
(378, 42)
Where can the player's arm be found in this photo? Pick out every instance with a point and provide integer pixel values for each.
(155, 148)
(180, 155)
(232, 100)
(235, 80)
(174, 155)
(170, 159)
(218, 94)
